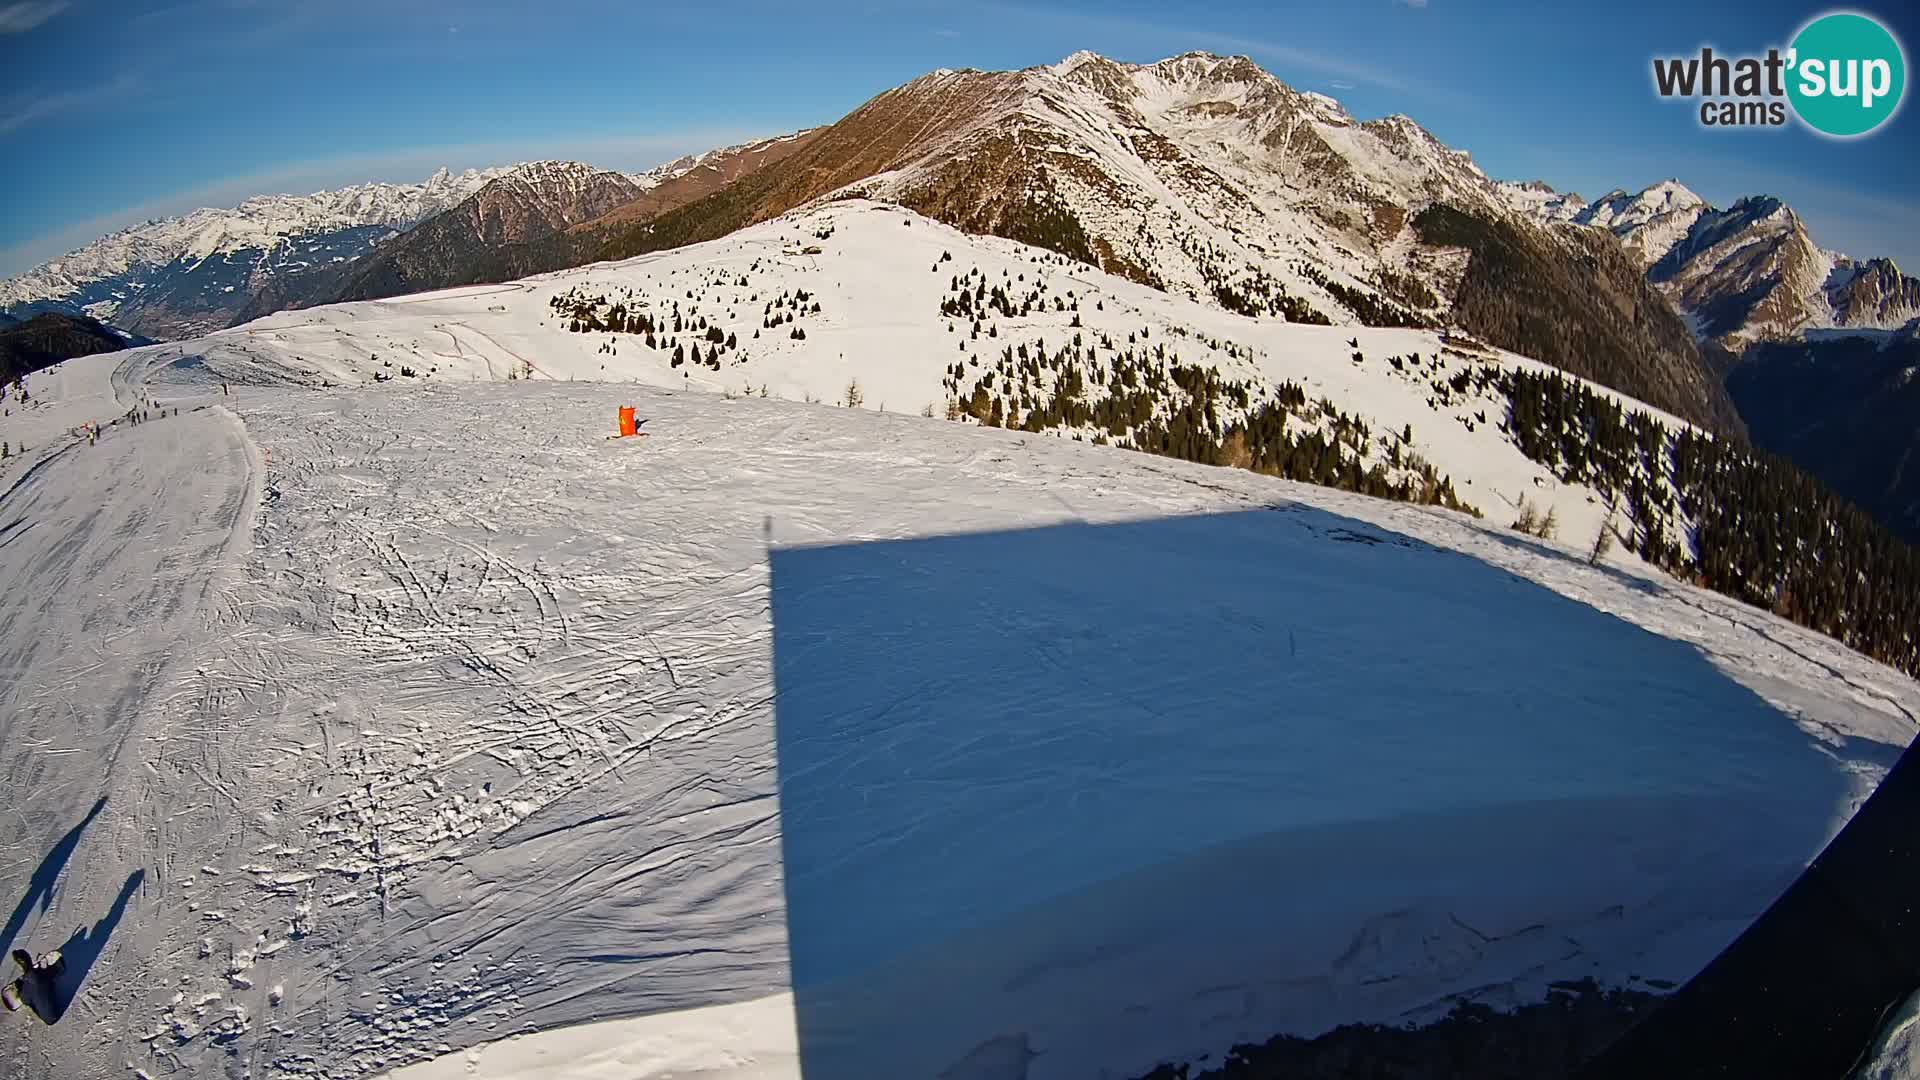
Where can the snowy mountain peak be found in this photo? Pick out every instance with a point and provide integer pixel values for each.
(1671, 195)
(554, 177)
(1873, 294)
(1199, 174)
(1648, 223)
(1745, 273)
(1201, 65)
(1537, 200)
(1072, 63)
(543, 195)
(1619, 210)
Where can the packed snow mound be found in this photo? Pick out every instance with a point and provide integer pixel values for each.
(795, 738)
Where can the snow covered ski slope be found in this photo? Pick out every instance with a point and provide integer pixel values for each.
(800, 738)
(870, 291)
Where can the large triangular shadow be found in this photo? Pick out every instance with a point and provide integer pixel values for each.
(1114, 792)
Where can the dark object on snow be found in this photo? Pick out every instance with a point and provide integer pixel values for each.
(1546, 1041)
(37, 987)
(1804, 991)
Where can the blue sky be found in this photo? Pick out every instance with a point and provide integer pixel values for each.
(112, 113)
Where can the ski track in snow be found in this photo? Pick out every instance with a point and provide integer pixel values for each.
(114, 557)
(430, 717)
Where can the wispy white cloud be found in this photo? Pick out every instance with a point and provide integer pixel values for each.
(18, 18)
(21, 110)
(1414, 4)
(629, 153)
(1339, 85)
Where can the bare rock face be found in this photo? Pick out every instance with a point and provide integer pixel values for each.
(511, 227)
(1873, 294)
(1750, 271)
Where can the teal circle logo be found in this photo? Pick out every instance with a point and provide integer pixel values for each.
(1847, 74)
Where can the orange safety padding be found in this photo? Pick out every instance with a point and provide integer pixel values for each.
(626, 421)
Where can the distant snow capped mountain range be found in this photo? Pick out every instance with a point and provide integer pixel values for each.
(190, 274)
(1200, 174)
(1750, 272)
(179, 276)
(259, 223)
(171, 275)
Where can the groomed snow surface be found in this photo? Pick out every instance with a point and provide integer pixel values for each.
(796, 739)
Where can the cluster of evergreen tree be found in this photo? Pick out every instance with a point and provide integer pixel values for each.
(1260, 296)
(1405, 288)
(787, 307)
(1043, 220)
(1845, 410)
(1370, 309)
(591, 313)
(1769, 534)
(1257, 294)
(1250, 290)
(1756, 527)
(1145, 398)
(970, 297)
(48, 338)
(1573, 299)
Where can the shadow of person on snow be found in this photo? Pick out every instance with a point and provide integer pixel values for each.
(40, 888)
(79, 952)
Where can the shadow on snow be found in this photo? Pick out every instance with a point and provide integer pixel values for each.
(1115, 793)
(81, 950)
(45, 877)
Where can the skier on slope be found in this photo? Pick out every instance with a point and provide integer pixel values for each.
(35, 987)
